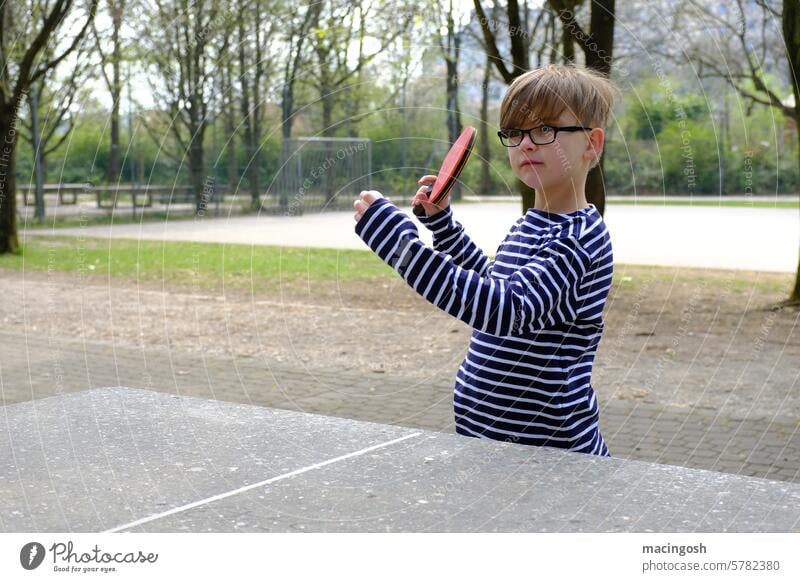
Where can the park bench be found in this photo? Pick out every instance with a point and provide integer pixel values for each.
(67, 193)
(140, 195)
(143, 196)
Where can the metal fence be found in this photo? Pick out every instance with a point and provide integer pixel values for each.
(319, 174)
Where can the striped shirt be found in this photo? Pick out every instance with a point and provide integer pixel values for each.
(535, 311)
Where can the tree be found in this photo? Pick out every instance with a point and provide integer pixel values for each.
(743, 47)
(256, 28)
(230, 117)
(336, 28)
(114, 82)
(296, 57)
(23, 42)
(298, 33)
(51, 121)
(791, 36)
(484, 131)
(596, 45)
(516, 27)
(450, 45)
(185, 46)
(598, 50)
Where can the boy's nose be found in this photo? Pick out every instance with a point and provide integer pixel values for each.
(527, 142)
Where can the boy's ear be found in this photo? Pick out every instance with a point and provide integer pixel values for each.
(594, 147)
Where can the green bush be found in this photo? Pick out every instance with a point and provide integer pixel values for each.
(690, 156)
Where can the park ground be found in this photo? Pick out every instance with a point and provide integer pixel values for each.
(696, 366)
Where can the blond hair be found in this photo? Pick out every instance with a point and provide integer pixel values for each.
(540, 96)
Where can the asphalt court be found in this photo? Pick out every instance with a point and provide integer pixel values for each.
(130, 460)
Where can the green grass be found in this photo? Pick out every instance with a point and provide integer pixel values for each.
(636, 277)
(202, 265)
(715, 202)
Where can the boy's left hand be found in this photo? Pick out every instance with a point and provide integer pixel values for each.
(367, 197)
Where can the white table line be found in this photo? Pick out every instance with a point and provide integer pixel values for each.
(255, 485)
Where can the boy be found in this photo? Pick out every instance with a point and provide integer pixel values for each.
(536, 309)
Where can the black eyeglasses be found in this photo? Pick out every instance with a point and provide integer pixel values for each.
(542, 135)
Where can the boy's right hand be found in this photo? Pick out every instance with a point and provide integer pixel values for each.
(421, 197)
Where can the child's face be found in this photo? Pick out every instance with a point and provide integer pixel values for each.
(562, 163)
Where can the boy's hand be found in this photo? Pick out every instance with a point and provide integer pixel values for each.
(421, 197)
(366, 198)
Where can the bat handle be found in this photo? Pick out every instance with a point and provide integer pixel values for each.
(418, 209)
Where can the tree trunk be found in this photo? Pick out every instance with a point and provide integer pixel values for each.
(249, 79)
(116, 95)
(453, 116)
(598, 50)
(230, 148)
(287, 118)
(327, 131)
(567, 46)
(353, 105)
(595, 186)
(197, 168)
(37, 153)
(791, 36)
(254, 168)
(483, 146)
(230, 128)
(528, 196)
(404, 126)
(255, 182)
(114, 161)
(451, 57)
(794, 296)
(598, 57)
(9, 243)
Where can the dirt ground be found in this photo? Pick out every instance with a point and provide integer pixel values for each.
(676, 336)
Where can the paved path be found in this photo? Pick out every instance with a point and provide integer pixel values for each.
(34, 366)
(759, 239)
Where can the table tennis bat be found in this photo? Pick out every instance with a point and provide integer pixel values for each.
(453, 163)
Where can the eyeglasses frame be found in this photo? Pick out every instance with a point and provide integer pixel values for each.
(527, 132)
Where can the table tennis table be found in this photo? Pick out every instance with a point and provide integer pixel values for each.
(129, 460)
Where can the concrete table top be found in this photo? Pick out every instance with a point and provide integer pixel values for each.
(119, 459)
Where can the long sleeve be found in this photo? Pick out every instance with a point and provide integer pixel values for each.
(449, 237)
(539, 294)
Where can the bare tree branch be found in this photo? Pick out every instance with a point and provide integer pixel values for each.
(491, 43)
(42, 69)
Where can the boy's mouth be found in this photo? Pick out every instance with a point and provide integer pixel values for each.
(530, 163)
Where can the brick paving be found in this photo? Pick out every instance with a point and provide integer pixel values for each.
(38, 366)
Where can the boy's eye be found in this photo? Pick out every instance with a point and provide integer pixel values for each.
(512, 133)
